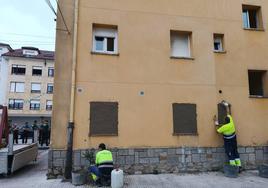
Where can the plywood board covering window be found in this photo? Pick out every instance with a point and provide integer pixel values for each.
(184, 119)
(103, 118)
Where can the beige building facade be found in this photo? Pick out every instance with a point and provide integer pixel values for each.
(29, 85)
(148, 76)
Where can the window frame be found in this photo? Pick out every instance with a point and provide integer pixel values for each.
(19, 106)
(104, 31)
(36, 106)
(36, 91)
(49, 107)
(50, 85)
(222, 42)
(174, 35)
(258, 17)
(37, 68)
(48, 72)
(16, 67)
(15, 87)
(264, 81)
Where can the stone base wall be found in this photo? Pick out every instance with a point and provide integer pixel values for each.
(163, 160)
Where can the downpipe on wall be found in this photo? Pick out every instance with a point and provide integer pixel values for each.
(70, 128)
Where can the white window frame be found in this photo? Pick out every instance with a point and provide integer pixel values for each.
(105, 33)
(48, 104)
(14, 87)
(35, 90)
(37, 68)
(35, 101)
(218, 38)
(174, 37)
(49, 85)
(50, 68)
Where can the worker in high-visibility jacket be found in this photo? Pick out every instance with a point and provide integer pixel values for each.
(230, 142)
(104, 165)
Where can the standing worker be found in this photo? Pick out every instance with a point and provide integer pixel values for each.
(101, 173)
(229, 136)
(15, 133)
(26, 131)
(45, 132)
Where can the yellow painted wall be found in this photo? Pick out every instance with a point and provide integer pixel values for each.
(144, 64)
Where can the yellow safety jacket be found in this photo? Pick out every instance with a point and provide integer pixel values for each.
(228, 130)
(104, 158)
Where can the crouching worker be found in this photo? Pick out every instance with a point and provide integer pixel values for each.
(229, 136)
(101, 173)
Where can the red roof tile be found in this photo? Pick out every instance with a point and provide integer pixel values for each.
(42, 54)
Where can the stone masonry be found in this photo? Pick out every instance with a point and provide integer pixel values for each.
(163, 160)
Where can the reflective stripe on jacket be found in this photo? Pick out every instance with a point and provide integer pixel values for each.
(227, 129)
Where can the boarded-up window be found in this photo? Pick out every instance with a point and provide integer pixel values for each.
(184, 119)
(103, 118)
(222, 113)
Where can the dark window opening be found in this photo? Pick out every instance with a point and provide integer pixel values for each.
(37, 71)
(256, 82)
(103, 118)
(252, 17)
(18, 69)
(110, 44)
(184, 119)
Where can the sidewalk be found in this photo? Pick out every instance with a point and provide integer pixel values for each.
(34, 176)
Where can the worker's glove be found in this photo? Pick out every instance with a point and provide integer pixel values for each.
(215, 120)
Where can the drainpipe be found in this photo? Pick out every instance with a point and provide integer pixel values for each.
(69, 153)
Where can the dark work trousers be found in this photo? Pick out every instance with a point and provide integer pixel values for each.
(230, 146)
(24, 137)
(45, 138)
(15, 136)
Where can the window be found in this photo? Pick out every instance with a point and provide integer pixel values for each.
(36, 88)
(180, 44)
(17, 87)
(35, 105)
(184, 119)
(258, 81)
(105, 39)
(15, 104)
(103, 118)
(252, 18)
(218, 43)
(50, 72)
(37, 71)
(49, 88)
(18, 69)
(49, 105)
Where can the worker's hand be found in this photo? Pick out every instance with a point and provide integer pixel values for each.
(215, 118)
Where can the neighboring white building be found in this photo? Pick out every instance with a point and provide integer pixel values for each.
(4, 48)
(28, 84)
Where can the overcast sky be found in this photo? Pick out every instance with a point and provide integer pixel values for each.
(27, 23)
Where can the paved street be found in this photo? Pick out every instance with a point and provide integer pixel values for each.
(34, 176)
